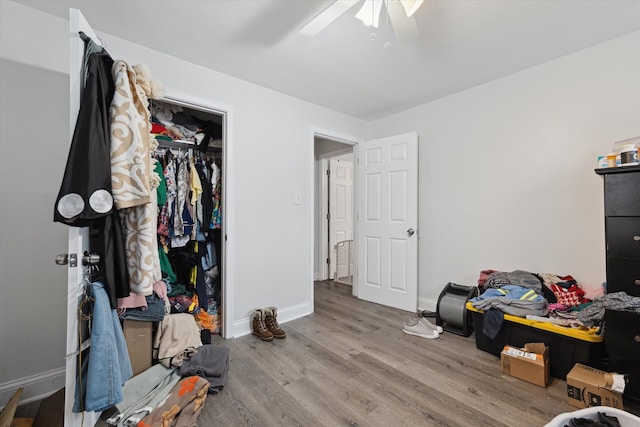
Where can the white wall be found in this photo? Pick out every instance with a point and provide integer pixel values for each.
(34, 137)
(271, 149)
(34, 142)
(506, 169)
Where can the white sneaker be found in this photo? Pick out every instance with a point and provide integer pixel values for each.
(432, 325)
(413, 321)
(420, 329)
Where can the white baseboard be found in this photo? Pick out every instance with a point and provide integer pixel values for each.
(35, 387)
(243, 326)
(427, 304)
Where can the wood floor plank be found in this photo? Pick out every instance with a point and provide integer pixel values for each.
(331, 409)
(227, 409)
(282, 367)
(265, 398)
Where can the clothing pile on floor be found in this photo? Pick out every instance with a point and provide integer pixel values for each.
(545, 297)
(173, 391)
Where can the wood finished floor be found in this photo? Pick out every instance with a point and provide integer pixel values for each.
(349, 364)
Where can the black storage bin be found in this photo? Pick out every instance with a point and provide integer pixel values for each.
(564, 351)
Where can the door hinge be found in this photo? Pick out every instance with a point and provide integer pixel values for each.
(328, 216)
(328, 262)
(328, 172)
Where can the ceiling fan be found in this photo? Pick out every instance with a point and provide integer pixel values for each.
(400, 13)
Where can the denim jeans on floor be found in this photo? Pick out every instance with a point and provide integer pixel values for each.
(107, 365)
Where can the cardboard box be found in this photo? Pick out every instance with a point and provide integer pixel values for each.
(139, 337)
(530, 363)
(587, 386)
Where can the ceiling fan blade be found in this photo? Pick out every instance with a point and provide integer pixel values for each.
(404, 27)
(327, 16)
(410, 6)
(370, 12)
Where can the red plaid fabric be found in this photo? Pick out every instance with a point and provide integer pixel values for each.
(163, 221)
(570, 297)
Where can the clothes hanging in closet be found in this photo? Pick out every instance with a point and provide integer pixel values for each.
(186, 235)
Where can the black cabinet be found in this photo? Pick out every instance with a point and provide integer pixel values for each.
(622, 229)
(622, 341)
(621, 191)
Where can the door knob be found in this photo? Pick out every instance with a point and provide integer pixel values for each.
(72, 259)
(410, 232)
(62, 259)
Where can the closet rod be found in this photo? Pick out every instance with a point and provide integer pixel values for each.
(186, 145)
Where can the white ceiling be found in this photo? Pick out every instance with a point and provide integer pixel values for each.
(462, 43)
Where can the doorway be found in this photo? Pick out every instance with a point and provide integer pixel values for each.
(385, 244)
(334, 189)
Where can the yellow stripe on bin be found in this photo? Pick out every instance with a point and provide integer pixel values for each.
(589, 335)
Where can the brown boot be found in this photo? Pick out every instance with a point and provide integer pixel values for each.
(258, 327)
(270, 319)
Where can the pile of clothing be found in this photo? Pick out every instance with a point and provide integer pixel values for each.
(518, 293)
(544, 297)
(173, 391)
(173, 123)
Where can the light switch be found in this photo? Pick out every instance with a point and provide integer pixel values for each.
(297, 198)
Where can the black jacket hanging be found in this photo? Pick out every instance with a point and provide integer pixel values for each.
(85, 193)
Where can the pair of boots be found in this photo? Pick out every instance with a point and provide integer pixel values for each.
(264, 324)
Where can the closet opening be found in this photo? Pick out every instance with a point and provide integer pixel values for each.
(191, 226)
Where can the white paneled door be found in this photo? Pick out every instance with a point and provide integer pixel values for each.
(340, 215)
(387, 221)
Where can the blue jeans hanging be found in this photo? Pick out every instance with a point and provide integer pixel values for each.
(107, 367)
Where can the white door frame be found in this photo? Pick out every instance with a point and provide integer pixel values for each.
(313, 208)
(228, 250)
